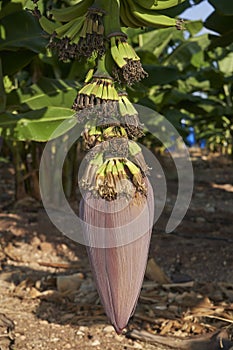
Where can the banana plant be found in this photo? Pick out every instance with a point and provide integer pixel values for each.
(91, 41)
(93, 30)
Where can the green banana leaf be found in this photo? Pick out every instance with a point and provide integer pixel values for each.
(159, 75)
(173, 97)
(22, 30)
(225, 7)
(12, 62)
(221, 41)
(176, 10)
(189, 52)
(47, 92)
(219, 23)
(226, 64)
(213, 76)
(2, 90)
(194, 27)
(10, 7)
(174, 117)
(192, 84)
(36, 125)
(152, 40)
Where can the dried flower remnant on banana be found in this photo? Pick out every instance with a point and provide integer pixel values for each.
(92, 34)
(63, 47)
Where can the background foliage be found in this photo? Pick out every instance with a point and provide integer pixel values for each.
(190, 80)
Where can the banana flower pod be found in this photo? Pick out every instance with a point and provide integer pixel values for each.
(117, 236)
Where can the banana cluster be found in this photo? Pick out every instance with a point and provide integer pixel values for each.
(111, 159)
(112, 141)
(100, 102)
(113, 178)
(79, 30)
(128, 68)
(81, 36)
(96, 99)
(92, 34)
(100, 135)
(141, 13)
(92, 28)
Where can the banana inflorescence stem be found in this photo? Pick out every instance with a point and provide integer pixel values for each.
(112, 17)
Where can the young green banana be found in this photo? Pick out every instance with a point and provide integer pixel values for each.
(66, 14)
(120, 61)
(70, 29)
(89, 75)
(112, 93)
(150, 18)
(122, 51)
(74, 31)
(99, 92)
(129, 106)
(87, 89)
(63, 28)
(155, 20)
(159, 4)
(122, 107)
(130, 53)
(135, 23)
(105, 92)
(47, 25)
(126, 17)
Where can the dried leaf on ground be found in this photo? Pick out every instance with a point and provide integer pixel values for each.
(70, 283)
(155, 273)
